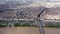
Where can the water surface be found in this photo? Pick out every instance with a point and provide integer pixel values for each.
(28, 30)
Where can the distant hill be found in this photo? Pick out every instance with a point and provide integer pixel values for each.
(12, 10)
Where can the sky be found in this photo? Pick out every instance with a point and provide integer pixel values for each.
(33, 0)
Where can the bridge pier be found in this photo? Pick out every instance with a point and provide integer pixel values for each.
(10, 24)
(40, 25)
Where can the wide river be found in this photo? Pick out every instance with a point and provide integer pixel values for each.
(28, 30)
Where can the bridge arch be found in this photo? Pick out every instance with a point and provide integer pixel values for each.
(38, 18)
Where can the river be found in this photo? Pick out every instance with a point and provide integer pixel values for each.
(28, 30)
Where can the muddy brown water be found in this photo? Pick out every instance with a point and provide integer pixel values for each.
(28, 30)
